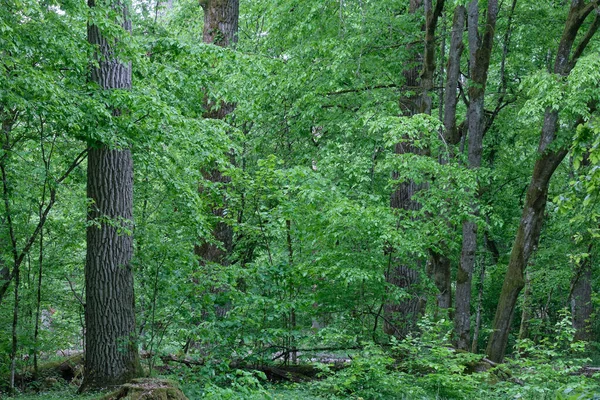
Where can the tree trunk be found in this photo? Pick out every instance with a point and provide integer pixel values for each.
(440, 265)
(15, 322)
(480, 49)
(475, 343)
(401, 318)
(220, 22)
(525, 313)
(451, 133)
(581, 298)
(221, 29)
(111, 350)
(549, 158)
(432, 15)
(526, 239)
(439, 270)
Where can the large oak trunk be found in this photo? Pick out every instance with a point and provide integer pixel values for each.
(111, 356)
(221, 29)
(401, 317)
(220, 21)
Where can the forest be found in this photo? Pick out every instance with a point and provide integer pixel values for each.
(299, 199)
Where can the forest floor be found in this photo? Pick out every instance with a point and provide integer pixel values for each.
(370, 376)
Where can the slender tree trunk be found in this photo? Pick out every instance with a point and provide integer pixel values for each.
(15, 322)
(6, 274)
(440, 265)
(526, 313)
(40, 261)
(581, 298)
(549, 157)
(480, 49)
(111, 356)
(38, 303)
(432, 16)
(475, 343)
(452, 134)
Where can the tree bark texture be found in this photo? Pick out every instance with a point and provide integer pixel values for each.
(110, 73)
(549, 158)
(475, 342)
(480, 50)
(401, 318)
(111, 349)
(220, 22)
(439, 265)
(221, 29)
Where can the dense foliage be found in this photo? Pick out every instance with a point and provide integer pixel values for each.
(314, 154)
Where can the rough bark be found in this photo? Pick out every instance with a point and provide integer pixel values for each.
(439, 265)
(549, 157)
(220, 22)
(221, 29)
(111, 350)
(401, 318)
(480, 49)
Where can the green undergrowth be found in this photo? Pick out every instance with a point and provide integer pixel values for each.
(423, 367)
(420, 367)
(63, 393)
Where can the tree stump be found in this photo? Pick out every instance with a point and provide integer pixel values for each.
(147, 389)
